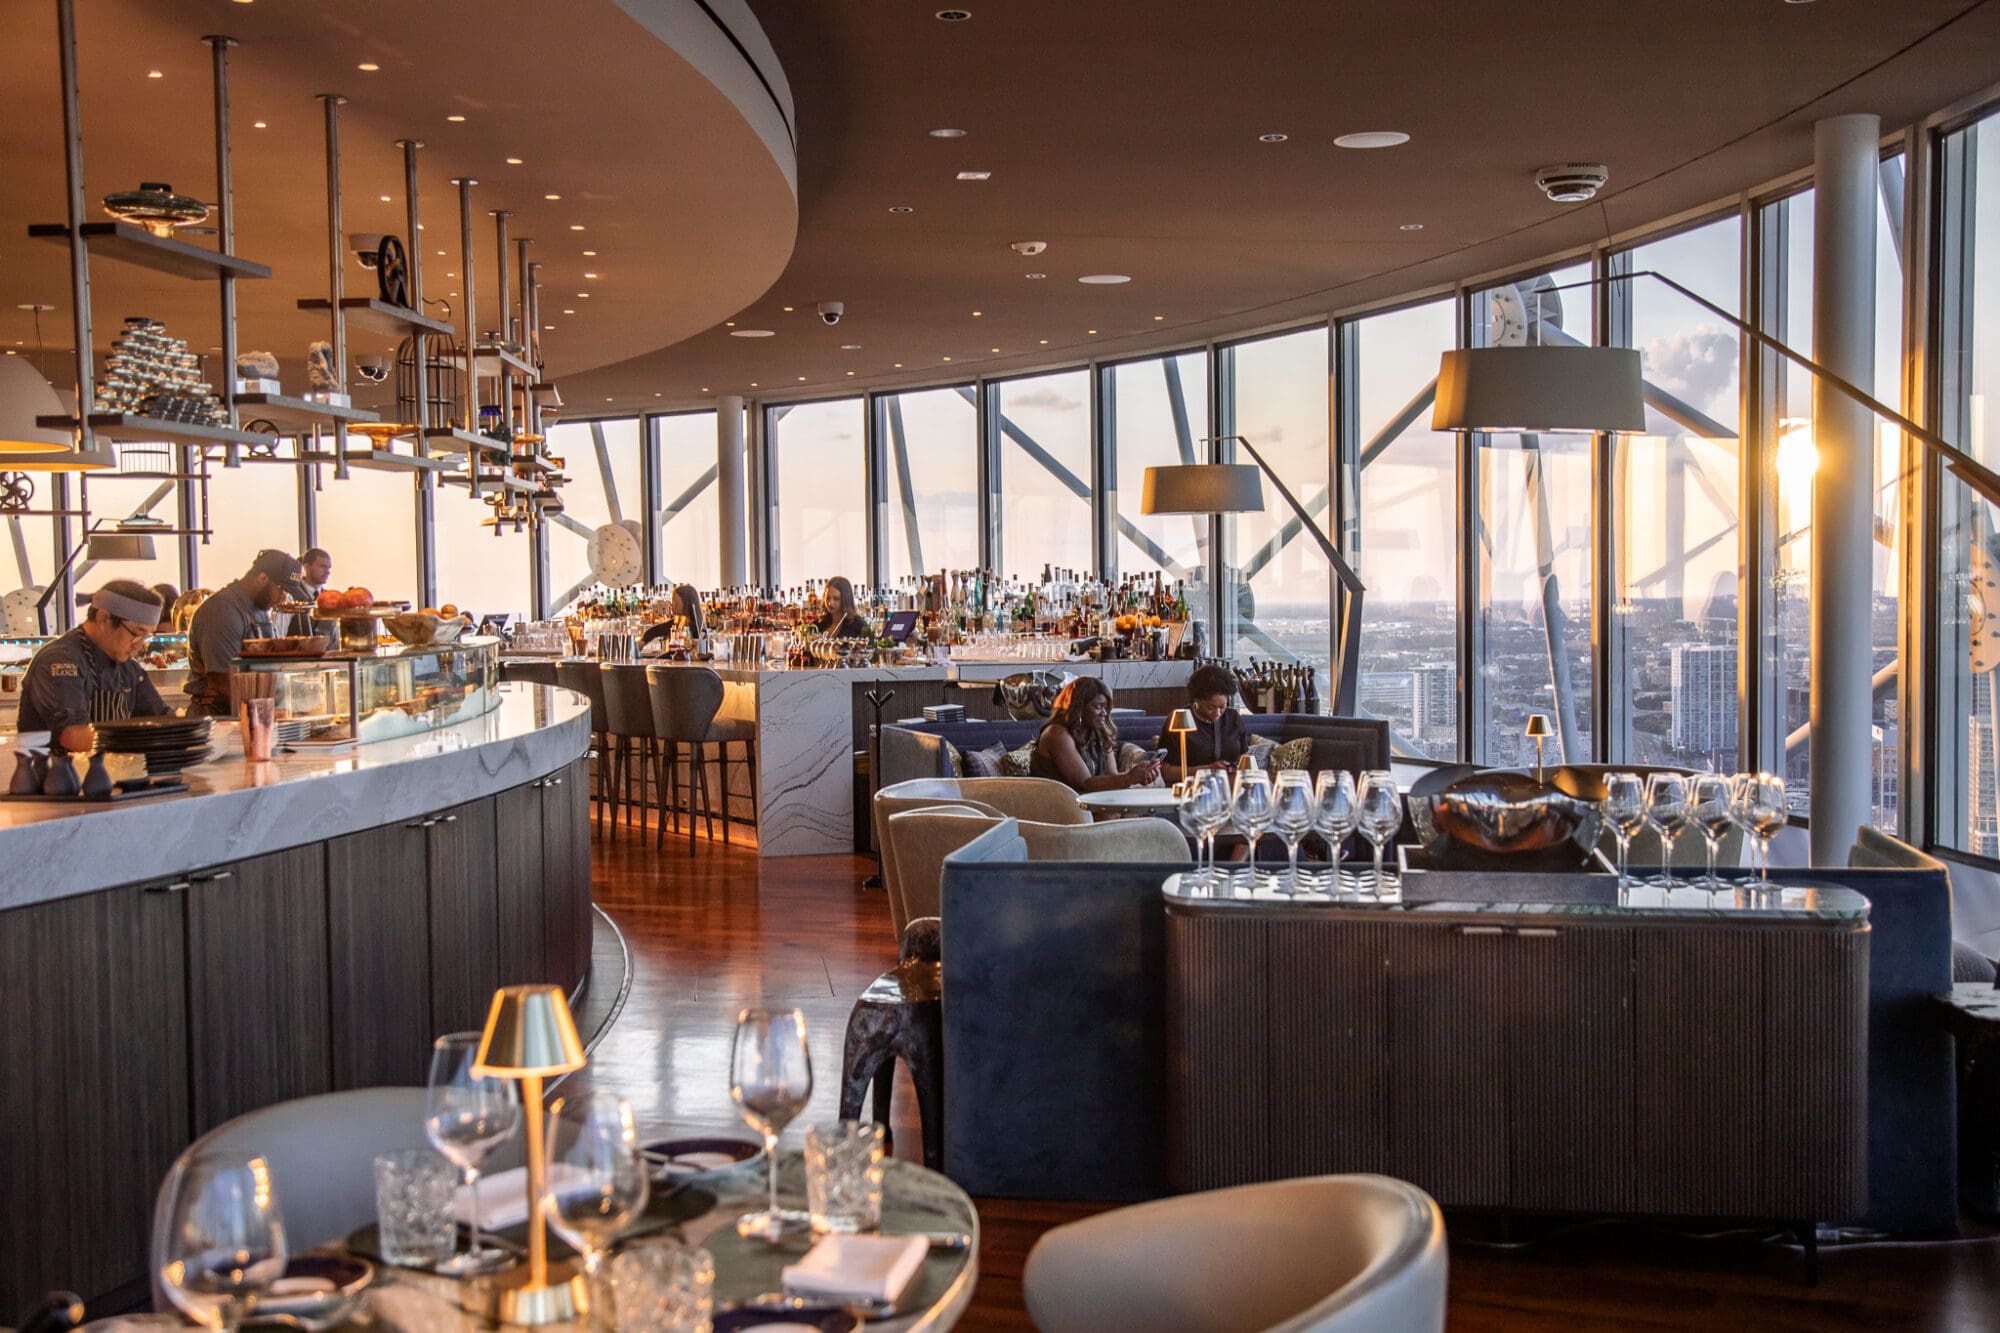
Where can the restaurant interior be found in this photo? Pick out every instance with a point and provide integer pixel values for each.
(711, 665)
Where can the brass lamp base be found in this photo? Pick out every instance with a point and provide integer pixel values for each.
(523, 1301)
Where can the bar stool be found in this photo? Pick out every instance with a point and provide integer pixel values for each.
(685, 701)
(587, 679)
(628, 711)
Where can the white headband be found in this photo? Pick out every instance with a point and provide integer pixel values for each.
(126, 608)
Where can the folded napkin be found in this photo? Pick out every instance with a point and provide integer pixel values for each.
(503, 1196)
(869, 1268)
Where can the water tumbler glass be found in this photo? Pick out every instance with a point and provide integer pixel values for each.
(663, 1288)
(415, 1190)
(844, 1176)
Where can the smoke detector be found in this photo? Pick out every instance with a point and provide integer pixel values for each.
(1571, 182)
(1029, 247)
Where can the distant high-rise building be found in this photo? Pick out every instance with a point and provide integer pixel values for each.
(1434, 701)
(1385, 694)
(1704, 686)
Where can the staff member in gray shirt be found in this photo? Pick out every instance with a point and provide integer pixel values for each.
(83, 670)
(240, 611)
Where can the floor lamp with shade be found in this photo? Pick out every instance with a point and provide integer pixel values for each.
(1237, 488)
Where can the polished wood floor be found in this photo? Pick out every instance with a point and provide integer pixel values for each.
(721, 930)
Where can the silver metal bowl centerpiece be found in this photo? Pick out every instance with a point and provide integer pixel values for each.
(1504, 821)
(1027, 695)
(156, 207)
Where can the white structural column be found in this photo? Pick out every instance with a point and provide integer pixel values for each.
(729, 490)
(1845, 160)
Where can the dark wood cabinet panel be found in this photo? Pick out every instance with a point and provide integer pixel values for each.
(566, 872)
(518, 878)
(379, 955)
(257, 984)
(94, 1103)
(465, 963)
(1447, 1103)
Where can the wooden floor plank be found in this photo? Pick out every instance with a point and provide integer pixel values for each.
(723, 929)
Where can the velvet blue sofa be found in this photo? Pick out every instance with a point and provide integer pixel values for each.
(1055, 1041)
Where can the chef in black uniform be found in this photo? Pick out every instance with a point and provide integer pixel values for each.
(79, 671)
(239, 611)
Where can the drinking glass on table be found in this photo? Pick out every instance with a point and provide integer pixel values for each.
(1667, 812)
(1291, 817)
(770, 1080)
(1708, 806)
(1624, 809)
(663, 1287)
(1380, 814)
(1250, 811)
(596, 1183)
(416, 1216)
(1211, 808)
(219, 1239)
(843, 1163)
(1334, 811)
(467, 1116)
(1759, 806)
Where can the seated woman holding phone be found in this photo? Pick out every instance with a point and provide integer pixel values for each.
(1079, 746)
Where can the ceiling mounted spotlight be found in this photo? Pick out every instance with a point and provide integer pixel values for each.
(975, 175)
(1035, 275)
(1372, 139)
(850, 347)
(954, 15)
(1272, 138)
(947, 134)
(1028, 247)
(1103, 279)
(1571, 182)
(752, 333)
(1411, 226)
(901, 208)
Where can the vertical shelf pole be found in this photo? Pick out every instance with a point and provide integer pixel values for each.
(79, 281)
(507, 325)
(225, 226)
(468, 275)
(335, 281)
(426, 561)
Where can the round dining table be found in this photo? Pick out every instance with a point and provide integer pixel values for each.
(1130, 802)
(914, 1200)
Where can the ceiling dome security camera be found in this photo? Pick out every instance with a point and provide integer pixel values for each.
(1571, 182)
(831, 311)
(1029, 247)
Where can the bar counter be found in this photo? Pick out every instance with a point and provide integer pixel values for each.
(811, 722)
(281, 930)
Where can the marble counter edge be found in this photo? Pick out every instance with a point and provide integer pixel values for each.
(105, 847)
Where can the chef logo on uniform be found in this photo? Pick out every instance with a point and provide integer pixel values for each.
(62, 669)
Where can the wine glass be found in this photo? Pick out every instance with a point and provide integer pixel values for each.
(1380, 814)
(1187, 799)
(1334, 811)
(1624, 809)
(1211, 808)
(596, 1182)
(1667, 812)
(1760, 808)
(1708, 804)
(219, 1239)
(1250, 810)
(467, 1116)
(770, 1080)
(1291, 818)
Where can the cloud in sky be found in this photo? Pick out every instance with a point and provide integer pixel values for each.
(1696, 365)
(1046, 398)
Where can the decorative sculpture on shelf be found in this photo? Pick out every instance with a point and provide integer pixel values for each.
(17, 492)
(392, 272)
(153, 373)
(323, 384)
(156, 207)
(256, 372)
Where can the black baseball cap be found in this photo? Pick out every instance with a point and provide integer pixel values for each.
(276, 565)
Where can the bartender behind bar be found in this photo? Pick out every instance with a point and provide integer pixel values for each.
(89, 673)
(216, 634)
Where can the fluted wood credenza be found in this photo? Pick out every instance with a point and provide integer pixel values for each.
(1562, 1058)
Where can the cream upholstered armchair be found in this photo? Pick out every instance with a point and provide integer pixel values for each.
(916, 842)
(1112, 840)
(1329, 1254)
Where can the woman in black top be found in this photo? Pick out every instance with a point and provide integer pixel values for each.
(685, 608)
(1217, 740)
(1079, 746)
(841, 620)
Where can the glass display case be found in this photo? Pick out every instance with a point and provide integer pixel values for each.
(344, 698)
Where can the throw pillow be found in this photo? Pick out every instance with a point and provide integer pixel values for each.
(1014, 764)
(1259, 749)
(985, 763)
(1295, 753)
(954, 761)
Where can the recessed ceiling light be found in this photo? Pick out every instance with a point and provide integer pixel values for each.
(899, 365)
(569, 312)
(368, 67)
(385, 198)
(992, 349)
(802, 379)
(788, 310)
(456, 120)
(590, 254)
(1045, 342)
(947, 134)
(259, 125)
(154, 74)
(607, 400)
(753, 384)
(513, 161)
(451, 293)
(1411, 226)
(947, 358)
(753, 333)
(448, 275)
(728, 323)
(657, 395)
(576, 226)
(590, 275)
(1103, 279)
(850, 347)
(585, 295)
(1272, 138)
(901, 208)
(1090, 330)
(548, 326)
(551, 197)
(1037, 275)
(850, 372)
(1372, 139)
(975, 175)
(1159, 317)
(977, 313)
(954, 15)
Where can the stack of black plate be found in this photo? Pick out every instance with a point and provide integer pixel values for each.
(169, 744)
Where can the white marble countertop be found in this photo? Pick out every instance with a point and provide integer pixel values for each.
(235, 810)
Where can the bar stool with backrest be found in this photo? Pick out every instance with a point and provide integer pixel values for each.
(587, 679)
(533, 673)
(628, 711)
(685, 702)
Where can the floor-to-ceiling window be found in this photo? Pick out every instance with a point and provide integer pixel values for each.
(688, 536)
(1966, 650)
(116, 497)
(368, 524)
(930, 448)
(1277, 588)
(249, 508)
(1676, 509)
(819, 491)
(1406, 542)
(1155, 414)
(1533, 549)
(1786, 228)
(598, 538)
(28, 552)
(482, 567)
(1043, 423)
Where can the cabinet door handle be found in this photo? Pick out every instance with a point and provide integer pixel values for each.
(215, 878)
(420, 823)
(453, 819)
(178, 886)
(1481, 930)
(1538, 932)
(539, 782)
(555, 782)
